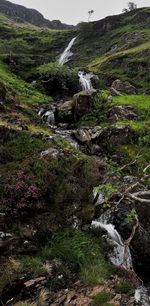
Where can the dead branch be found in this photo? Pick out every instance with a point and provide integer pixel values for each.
(146, 168)
(128, 241)
(137, 196)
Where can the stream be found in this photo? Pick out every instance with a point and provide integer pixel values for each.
(119, 255)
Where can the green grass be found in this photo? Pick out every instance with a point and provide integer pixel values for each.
(102, 299)
(106, 58)
(82, 250)
(19, 89)
(123, 287)
(33, 265)
(142, 105)
(142, 102)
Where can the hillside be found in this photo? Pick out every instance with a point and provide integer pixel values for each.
(117, 46)
(74, 161)
(22, 14)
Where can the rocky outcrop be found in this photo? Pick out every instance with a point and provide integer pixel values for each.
(83, 102)
(114, 134)
(64, 111)
(119, 113)
(140, 244)
(122, 87)
(23, 14)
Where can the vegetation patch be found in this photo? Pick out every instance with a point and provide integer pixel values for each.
(102, 298)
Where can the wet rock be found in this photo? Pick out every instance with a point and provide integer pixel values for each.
(116, 134)
(50, 152)
(109, 99)
(119, 113)
(123, 87)
(83, 135)
(64, 111)
(115, 92)
(140, 244)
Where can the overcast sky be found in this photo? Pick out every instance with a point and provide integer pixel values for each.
(74, 11)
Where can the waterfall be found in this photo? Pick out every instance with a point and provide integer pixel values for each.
(85, 80)
(117, 255)
(64, 57)
(48, 116)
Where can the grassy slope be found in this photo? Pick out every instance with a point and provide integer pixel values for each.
(130, 58)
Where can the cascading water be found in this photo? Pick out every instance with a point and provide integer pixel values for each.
(117, 256)
(142, 296)
(48, 116)
(64, 57)
(85, 80)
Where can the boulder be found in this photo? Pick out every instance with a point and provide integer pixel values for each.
(83, 102)
(114, 135)
(83, 135)
(140, 245)
(64, 111)
(119, 86)
(119, 113)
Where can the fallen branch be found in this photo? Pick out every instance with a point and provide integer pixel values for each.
(137, 196)
(146, 168)
(128, 241)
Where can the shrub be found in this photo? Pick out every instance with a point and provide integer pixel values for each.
(20, 194)
(98, 114)
(57, 79)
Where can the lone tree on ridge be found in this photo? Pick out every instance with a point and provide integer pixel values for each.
(131, 7)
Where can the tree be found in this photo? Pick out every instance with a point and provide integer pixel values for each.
(131, 7)
(90, 14)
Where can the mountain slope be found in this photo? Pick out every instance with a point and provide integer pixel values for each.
(58, 175)
(23, 14)
(116, 47)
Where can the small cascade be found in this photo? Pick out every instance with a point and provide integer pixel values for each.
(85, 80)
(117, 255)
(64, 57)
(115, 240)
(48, 117)
(67, 135)
(142, 296)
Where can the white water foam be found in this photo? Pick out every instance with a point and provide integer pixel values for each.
(64, 57)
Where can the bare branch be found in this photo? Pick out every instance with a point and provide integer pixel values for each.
(136, 196)
(128, 241)
(146, 168)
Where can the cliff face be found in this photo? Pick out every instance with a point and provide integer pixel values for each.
(21, 13)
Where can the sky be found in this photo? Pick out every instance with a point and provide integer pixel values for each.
(75, 11)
